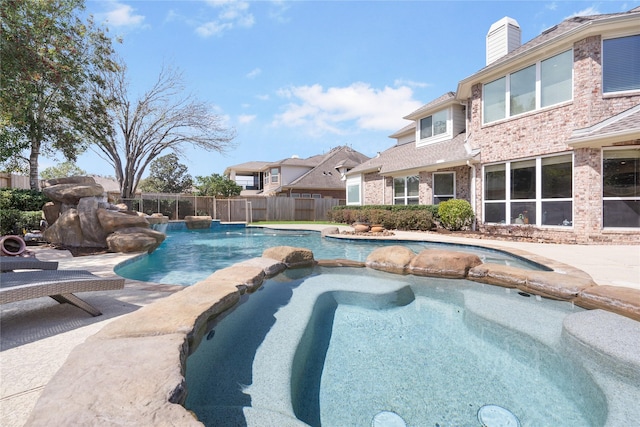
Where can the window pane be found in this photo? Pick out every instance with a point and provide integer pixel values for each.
(556, 79)
(494, 182)
(523, 180)
(523, 90)
(523, 213)
(412, 201)
(557, 213)
(398, 187)
(440, 122)
(621, 64)
(495, 100)
(443, 184)
(353, 194)
(399, 201)
(440, 199)
(494, 212)
(413, 186)
(557, 177)
(621, 173)
(425, 128)
(621, 213)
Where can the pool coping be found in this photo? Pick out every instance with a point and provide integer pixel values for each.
(133, 369)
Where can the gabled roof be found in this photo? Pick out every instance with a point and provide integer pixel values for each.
(325, 175)
(408, 129)
(571, 29)
(248, 167)
(621, 127)
(408, 157)
(441, 101)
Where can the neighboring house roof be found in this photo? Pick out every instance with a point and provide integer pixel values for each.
(251, 167)
(447, 98)
(577, 25)
(325, 174)
(408, 129)
(407, 157)
(621, 127)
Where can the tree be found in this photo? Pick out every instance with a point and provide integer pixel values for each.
(166, 175)
(62, 170)
(217, 185)
(162, 119)
(51, 65)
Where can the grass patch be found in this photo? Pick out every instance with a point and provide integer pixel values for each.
(294, 222)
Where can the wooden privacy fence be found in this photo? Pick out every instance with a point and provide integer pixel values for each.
(10, 180)
(245, 209)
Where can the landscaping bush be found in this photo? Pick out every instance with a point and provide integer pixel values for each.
(22, 200)
(14, 221)
(455, 214)
(399, 217)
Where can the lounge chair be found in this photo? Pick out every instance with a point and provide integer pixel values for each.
(10, 263)
(57, 284)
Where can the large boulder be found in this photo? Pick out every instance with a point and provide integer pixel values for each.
(93, 232)
(197, 222)
(78, 180)
(498, 274)
(618, 299)
(443, 263)
(134, 239)
(111, 220)
(72, 193)
(555, 285)
(292, 257)
(393, 259)
(51, 211)
(66, 231)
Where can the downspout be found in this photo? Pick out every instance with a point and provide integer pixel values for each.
(472, 193)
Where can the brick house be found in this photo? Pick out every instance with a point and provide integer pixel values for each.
(319, 176)
(546, 135)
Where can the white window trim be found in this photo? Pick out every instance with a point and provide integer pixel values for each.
(351, 182)
(538, 200)
(405, 196)
(448, 134)
(538, 107)
(434, 195)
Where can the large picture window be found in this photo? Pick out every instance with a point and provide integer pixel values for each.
(621, 64)
(621, 187)
(536, 191)
(540, 85)
(406, 190)
(353, 194)
(444, 186)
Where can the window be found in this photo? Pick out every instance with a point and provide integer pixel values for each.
(537, 191)
(540, 85)
(621, 64)
(406, 190)
(621, 187)
(275, 172)
(433, 125)
(523, 91)
(444, 186)
(353, 194)
(556, 83)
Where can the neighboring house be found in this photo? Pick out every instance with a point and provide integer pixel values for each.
(320, 176)
(550, 137)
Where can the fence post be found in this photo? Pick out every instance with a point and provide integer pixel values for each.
(248, 210)
(177, 203)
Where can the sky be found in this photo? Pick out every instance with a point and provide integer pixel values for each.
(302, 77)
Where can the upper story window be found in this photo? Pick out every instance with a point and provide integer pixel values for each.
(433, 125)
(540, 85)
(621, 64)
(275, 173)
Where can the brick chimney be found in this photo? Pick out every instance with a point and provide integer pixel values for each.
(503, 37)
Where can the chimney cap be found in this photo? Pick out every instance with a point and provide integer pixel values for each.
(504, 21)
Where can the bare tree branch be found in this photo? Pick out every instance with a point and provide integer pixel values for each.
(163, 119)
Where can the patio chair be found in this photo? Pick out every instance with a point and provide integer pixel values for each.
(10, 263)
(57, 284)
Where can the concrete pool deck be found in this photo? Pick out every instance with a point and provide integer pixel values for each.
(38, 335)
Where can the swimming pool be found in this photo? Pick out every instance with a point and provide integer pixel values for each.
(338, 347)
(188, 256)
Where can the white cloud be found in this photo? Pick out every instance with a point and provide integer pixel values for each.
(342, 110)
(232, 14)
(246, 118)
(264, 97)
(593, 10)
(410, 83)
(551, 6)
(254, 73)
(121, 15)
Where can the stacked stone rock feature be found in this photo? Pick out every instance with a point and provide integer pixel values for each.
(80, 216)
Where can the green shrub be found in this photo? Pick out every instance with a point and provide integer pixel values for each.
(22, 200)
(14, 221)
(455, 214)
(398, 217)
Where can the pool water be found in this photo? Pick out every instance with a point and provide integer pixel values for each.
(340, 347)
(188, 256)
